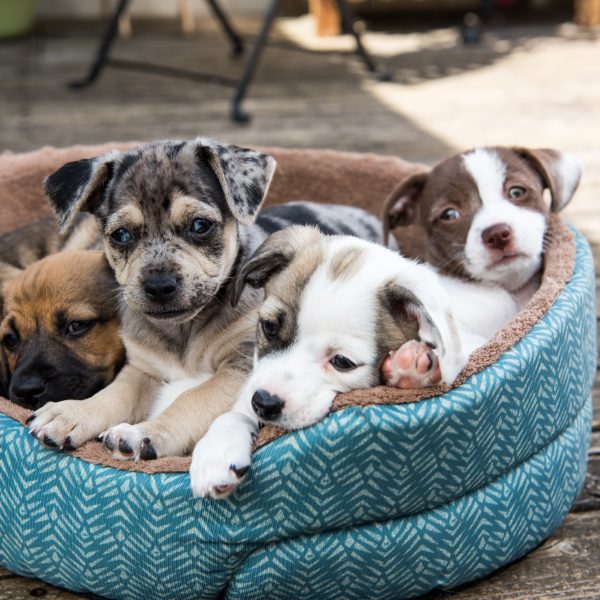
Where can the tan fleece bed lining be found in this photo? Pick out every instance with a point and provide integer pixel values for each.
(326, 176)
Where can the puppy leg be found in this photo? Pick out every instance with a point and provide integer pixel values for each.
(413, 365)
(175, 431)
(222, 457)
(70, 423)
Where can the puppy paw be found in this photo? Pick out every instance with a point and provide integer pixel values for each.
(414, 365)
(222, 457)
(63, 425)
(128, 442)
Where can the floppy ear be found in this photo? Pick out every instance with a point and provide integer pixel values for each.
(274, 255)
(560, 172)
(400, 208)
(437, 327)
(78, 186)
(244, 175)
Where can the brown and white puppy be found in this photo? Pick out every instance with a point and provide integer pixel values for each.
(60, 331)
(177, 220)
(334, 309)
(485, 213)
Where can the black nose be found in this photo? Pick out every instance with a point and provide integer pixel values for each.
(497, 236)
(161, 288)
(27, 389)
(267, 406)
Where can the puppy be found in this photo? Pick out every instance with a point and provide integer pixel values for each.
(484, 213)
(177, 220)
(60, 333)
(334, 309)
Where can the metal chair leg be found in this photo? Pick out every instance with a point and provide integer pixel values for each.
(103, 50)
(348, 24)
(237, 113)
(232, 34)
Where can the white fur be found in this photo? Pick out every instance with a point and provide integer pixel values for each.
(528, 226)
(340, 317)
(569, 169)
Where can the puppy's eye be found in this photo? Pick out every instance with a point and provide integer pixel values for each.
(10, 341)
(122, 236)
(450, 214)
(342, 363)
(78, 328)
(270, 328)
(516, 192)
(201, 227)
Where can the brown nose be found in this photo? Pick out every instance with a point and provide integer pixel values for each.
(497, 236)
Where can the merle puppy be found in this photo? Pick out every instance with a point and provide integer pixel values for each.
(177, 220)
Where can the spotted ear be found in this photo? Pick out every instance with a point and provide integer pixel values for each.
(244, 175)
(78, 186)
(436, 325)
(401, 207)
(273, 256)
(560, 172)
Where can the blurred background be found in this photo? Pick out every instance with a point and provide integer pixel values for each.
(465, 73)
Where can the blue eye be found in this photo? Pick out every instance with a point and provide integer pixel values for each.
(201, 227)
(450, 214)
(122, 236)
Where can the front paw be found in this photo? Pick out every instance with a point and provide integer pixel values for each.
(129, 442)
(64, 425)
(222, 457)
(414, 365)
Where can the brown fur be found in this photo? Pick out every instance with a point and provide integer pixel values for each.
(41, 302)
(420, 199)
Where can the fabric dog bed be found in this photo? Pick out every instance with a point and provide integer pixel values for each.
(393, 494)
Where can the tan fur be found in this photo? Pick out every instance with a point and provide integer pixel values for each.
(344, 264)
(70, 284)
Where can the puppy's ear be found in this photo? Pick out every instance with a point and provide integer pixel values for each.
(78, 186)
(244, 175)
(274, 255)
(400, 208)
(560, 172)
(436, 324)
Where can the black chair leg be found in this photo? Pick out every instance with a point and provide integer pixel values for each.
(237, 113)
(104, 49)
(348, 25)
(232, 34)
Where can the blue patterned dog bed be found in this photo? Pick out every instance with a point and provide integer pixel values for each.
(379, 501)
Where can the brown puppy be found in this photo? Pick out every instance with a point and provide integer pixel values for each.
(484, 212)
(60, 331)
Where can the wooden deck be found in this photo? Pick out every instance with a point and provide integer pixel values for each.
(532, 85)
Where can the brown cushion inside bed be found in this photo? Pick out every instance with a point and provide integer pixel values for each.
(320, 175)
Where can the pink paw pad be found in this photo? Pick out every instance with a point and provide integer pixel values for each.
(413, 365)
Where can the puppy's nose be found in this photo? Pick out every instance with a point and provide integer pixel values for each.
(497, 236)
(267, 406)
(27, 389)
(161, 288)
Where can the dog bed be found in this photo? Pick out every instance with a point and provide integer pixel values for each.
(393, 494)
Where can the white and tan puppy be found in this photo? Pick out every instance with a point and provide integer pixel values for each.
(339, 314)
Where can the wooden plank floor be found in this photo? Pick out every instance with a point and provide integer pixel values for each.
(536, 85)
